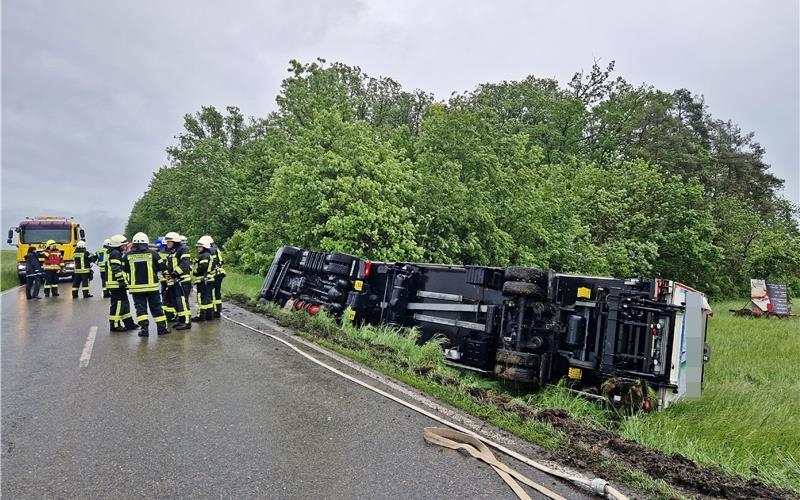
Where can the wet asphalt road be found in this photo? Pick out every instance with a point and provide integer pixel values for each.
(218, 412)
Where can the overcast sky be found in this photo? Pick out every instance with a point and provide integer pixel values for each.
(93, 92)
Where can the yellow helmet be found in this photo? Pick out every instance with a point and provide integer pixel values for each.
(50, 243)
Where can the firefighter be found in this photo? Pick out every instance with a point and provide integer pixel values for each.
(33, 274)
(167, 302)
(179, 277)
(119, 316)
(53, 265)
(100, 257)
(143, 266)
(82, 271)
(219, 275)
(204, 281)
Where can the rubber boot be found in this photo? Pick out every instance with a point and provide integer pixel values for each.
(182, 326)
(145, 325)
(106, 294)
(74, 294)
(47, 292)
(114, 328)
(201, 316)
(210, 315)
(87, 295)
(130, 324)
(162, 329)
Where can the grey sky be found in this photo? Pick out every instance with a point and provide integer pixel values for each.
(94, 91)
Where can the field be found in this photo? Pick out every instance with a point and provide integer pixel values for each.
(8, 269)
(745, 424)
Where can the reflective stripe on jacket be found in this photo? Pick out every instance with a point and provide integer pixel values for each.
(53, 261)
(83, 261)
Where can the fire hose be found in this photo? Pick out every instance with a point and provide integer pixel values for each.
(458, 437)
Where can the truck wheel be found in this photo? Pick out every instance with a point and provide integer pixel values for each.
(335, 268)
(525, 289)
(340, 258)
(527, 274)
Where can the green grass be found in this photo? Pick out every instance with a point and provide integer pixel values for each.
(747, 422)
(8, 269)
(236, 283)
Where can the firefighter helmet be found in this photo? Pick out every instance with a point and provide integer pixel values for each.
(140, 238)
(203, 242)
(207, 238)
(80, 244)
(184, 239)
(50, 243)
(118, 240)
(172, 236)
(106, 242)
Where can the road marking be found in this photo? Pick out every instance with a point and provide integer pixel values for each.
(86, 355)
(15, 289)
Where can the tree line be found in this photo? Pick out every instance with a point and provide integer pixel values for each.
(596, 176)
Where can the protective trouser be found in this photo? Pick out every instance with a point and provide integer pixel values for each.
(51, 283)
(80, 283)
(218, 295)
(205, 301)
(119, 316)
(180, 297)
(32, 284)
(106, 292)
(143, 300)
(167, 301)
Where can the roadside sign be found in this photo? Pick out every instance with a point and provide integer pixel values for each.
(778, 297)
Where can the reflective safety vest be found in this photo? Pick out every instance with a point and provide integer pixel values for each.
(217, 254)
(113, 269)
(142, 267)
(83, 261)
(163, 256)
(101, 256)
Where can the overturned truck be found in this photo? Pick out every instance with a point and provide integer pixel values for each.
(523, 324)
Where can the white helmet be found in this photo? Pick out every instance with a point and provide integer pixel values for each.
(172, 236)
(184, 239)
(106, 242)
(208, 238)
(141, 238)
(118, 240)
(202, 242)
(80, 244)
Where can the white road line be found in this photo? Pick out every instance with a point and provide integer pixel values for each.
(86, 355)
(15, 289)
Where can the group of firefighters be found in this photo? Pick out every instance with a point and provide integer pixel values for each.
(159, 278)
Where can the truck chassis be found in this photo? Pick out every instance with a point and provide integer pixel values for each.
(522, 324)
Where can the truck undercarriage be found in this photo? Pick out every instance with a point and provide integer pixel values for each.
(523, 324)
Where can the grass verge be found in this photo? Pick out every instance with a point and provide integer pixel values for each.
(8, 269)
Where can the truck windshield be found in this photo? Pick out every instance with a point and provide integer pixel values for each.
(42, 234)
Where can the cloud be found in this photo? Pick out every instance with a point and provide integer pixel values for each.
(93, 92)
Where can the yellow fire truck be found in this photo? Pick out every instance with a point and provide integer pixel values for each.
(36, 231)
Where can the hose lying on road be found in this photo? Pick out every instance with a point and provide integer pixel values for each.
(597, 486)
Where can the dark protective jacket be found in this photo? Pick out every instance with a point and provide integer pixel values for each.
(115, 274)
(83, 261)
(32, 264)
(203, 267)
(143, 267)
(179, 263)
(217, 263)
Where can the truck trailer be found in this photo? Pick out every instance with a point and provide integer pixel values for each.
(533, 326)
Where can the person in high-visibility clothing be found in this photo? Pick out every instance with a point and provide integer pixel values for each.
(143, 266)
(101, 258)
(219, 275)
(82, 271)
(179, 277)
(167, 302)
(53, 265)
(119, 316)
(203, 279)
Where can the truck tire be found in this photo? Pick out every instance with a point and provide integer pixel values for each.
(526, 274)
(340, 258)
(524, 289)
(336, 268)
